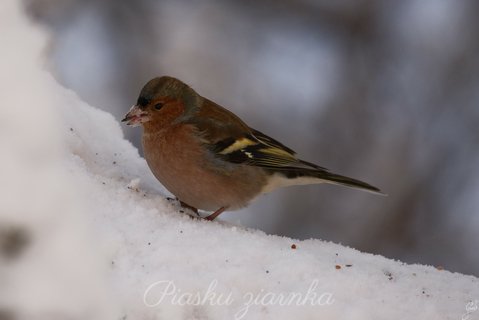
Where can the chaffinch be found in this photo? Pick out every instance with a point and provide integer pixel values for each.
(208, 157)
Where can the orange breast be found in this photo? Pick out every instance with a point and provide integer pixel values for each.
(179, 161)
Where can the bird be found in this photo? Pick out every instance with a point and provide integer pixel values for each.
(209, 158)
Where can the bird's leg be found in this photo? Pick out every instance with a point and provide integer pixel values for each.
(185, 205)
(215, 214)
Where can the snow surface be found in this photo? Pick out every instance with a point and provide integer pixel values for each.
(86, 232)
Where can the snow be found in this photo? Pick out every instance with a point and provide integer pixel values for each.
(86, 232)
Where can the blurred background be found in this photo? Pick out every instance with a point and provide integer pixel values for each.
(383, 91)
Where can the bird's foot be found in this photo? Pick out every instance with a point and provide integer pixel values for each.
(215, 214)
(211, 217)
(196, 214)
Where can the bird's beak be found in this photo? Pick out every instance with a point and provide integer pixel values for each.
(135, 116)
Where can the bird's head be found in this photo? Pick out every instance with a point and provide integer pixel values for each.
(163, 100)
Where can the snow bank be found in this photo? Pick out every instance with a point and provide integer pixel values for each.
(86, 232)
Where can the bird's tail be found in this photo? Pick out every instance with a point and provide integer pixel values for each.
(301, 176)
(346, 181)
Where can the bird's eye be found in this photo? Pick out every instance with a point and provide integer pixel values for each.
(158, 106)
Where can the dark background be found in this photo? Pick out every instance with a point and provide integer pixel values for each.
(384, 91)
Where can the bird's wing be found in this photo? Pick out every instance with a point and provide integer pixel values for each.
(257, 149)
(231, 140)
